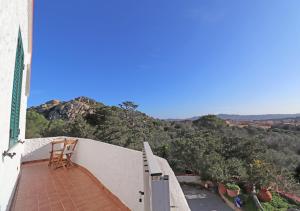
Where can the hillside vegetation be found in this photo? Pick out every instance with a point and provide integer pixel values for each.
(206, 146)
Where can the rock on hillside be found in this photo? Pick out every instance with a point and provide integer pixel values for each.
(56, 109)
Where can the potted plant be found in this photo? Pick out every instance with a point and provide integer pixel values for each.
(265, 195)
(233, 190)
(262, 175)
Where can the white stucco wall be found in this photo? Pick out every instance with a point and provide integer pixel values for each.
(37, 149)
(13, 15)
(119, 169)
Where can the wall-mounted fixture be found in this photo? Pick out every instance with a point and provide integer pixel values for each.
(21, 142)
(9, 154)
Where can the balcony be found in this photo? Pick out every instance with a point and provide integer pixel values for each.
(41, 188)
(106, 177)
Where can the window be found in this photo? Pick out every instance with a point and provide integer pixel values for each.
(16, 93)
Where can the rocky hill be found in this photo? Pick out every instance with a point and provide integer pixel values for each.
(55, 109)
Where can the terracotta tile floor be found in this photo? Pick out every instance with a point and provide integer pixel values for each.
(41, 188)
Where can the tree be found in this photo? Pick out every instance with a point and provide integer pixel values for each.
(129, 109)
(80, 128)
(210, 121)
(36, 124)
(110, 128)
(297, 173)
(236, 169)
(215, 167)
(163, 151)
(56, 128)
(128, 106)
(261, 173)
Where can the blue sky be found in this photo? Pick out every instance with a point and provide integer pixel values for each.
(176, 58)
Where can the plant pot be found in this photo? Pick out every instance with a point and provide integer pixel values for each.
(265, 195)
(222, 189)
(233, 193)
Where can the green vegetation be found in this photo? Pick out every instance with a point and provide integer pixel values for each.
(231, 186)
(248, 203)
(35, 124)
(207, 146)
(278, 203)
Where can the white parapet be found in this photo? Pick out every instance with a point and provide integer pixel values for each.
(119, 169)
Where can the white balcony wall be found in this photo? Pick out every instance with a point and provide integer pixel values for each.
(119, 169)
(37, 149)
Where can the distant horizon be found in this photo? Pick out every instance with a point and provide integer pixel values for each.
(237, 114)
(176, 60)
(217, 114)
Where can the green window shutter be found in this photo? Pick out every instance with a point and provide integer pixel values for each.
(16, 93)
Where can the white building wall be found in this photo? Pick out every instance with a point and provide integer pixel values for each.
(13, 15)
(119, 169)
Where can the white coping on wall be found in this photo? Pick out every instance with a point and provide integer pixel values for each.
(119, 169)
(153, 167)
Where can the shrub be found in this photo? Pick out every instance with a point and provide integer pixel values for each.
(231, 186)
(36, 124)
(278, 203)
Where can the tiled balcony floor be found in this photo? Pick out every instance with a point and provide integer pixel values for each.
(42, 188)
